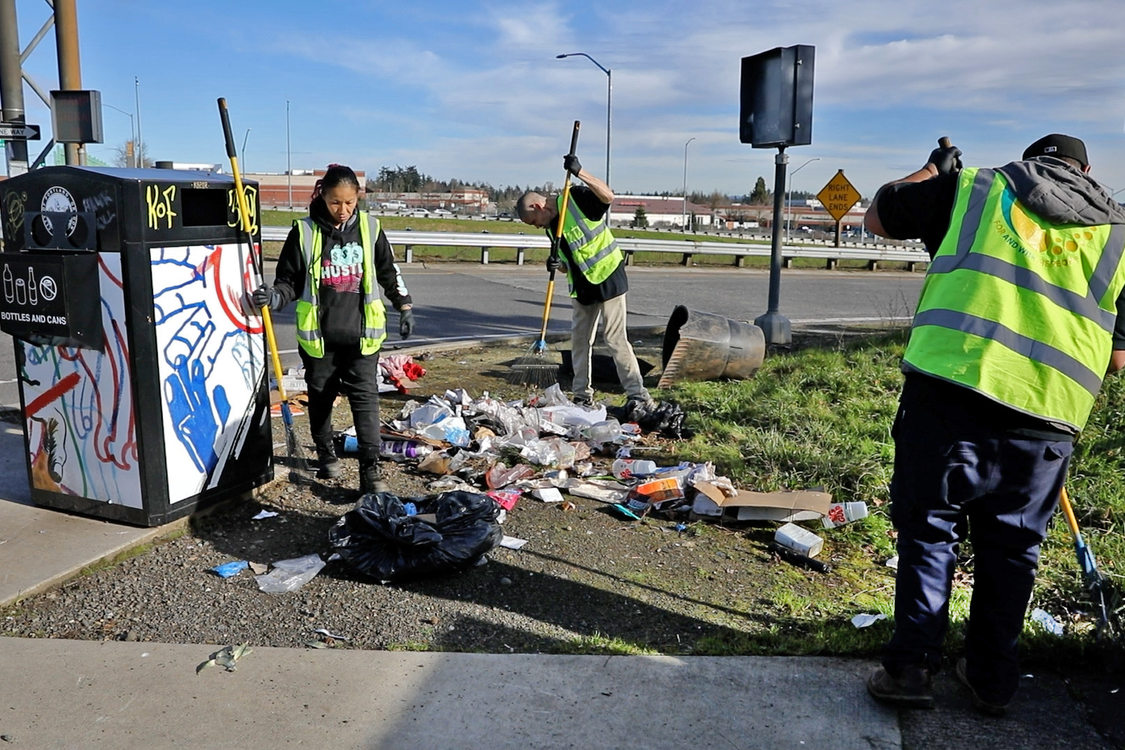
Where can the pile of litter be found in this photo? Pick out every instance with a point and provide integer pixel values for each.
(485, 455)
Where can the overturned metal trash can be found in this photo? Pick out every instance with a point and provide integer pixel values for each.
(702, 346)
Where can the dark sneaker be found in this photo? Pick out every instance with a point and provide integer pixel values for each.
(989, 709)
(910, 690)
(329, 468)
(371, 480)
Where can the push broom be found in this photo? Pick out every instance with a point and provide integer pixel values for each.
(299, 468)
(537, 368)
(1095, 583)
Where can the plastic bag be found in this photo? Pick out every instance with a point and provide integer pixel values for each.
(290, 575)
(450, 532)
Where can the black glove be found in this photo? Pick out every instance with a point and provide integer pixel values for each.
(553, 263)
(947, 160)
(571, 164)
(405, 323)
(266, 296)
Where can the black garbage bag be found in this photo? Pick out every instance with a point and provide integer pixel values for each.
(663, 417)
(447, 533)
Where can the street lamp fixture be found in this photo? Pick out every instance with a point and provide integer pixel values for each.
(683, 220)
(789, 197)
(608, 103)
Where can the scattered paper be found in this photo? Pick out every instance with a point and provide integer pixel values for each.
(327, 634)
(264, 514)
(227, 657)
(865, 620)
(1049, 623)
(512, 542)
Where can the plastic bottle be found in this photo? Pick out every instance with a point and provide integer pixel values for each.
(399, 450)
(627, 468)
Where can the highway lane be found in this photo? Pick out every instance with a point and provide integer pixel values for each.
(469, 301)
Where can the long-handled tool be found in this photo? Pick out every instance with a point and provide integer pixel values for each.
(534, 368)
(297, 462)
(1095, 583)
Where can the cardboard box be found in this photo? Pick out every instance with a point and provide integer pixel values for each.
(783, 506)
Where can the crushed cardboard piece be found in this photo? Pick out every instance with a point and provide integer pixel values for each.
(744, 505)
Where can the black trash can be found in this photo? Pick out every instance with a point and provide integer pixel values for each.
(143, 380)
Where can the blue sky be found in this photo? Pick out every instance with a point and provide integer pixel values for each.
(473, 90)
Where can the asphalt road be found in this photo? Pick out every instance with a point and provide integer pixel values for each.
(468, 301)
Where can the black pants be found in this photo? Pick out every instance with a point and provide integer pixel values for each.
(956, 477)
(344, 371)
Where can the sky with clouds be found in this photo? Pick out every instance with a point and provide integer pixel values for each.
(473, 89)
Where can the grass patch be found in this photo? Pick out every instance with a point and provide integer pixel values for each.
(821, 417)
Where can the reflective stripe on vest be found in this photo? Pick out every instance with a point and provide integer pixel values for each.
(1016, 308)
(592, 245)
(309, 336)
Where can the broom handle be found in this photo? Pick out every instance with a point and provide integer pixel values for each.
(558, 236)
(1068, 511)
(244, 217)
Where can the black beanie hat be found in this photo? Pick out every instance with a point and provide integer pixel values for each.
(1060, 146)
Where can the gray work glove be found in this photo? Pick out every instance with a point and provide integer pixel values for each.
(405, 323)
(267, 296)
(553, 263)
(571, 164)
(947, 160)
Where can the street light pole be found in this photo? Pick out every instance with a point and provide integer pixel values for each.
(789, 197)
(137, 150)
(244, 148)
(288, 157)
(608, 103)
(683, 219)
(132, 160)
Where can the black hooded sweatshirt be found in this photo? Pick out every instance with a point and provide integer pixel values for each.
(341, 280)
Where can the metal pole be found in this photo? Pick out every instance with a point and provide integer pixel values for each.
(138, 147)
(131, 161)
(789, 198)
(244, 149)
(11, 87)
(70, 75)
(774, 325)
(683, 219)
(608, 122)
(288, 157)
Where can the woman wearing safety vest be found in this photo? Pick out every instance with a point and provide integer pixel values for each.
(1021, 316)
(330, 264)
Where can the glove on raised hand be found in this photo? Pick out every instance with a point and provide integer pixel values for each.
(947, 160)
(405, 323)
(266, 296)
(571, 164)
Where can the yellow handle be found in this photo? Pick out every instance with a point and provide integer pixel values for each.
(1068, 511)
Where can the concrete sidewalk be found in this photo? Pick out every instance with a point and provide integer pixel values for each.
(145, 695)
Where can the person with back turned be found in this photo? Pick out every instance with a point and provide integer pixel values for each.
(1021, 316)
(595, 270)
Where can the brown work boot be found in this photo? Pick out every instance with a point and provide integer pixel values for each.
(911, 689)
(985, 707)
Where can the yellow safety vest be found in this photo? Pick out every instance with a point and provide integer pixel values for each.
(593, 247)
(308, 305)
(1016, 308)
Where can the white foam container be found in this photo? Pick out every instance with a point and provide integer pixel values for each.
(799, 539)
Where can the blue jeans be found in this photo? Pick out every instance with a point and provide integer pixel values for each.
(955, 477)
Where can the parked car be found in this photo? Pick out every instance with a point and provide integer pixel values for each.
(441, 212)
(419, 213)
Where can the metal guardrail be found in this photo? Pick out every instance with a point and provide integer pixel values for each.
(738, 251)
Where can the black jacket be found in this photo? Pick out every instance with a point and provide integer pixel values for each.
(341, 297)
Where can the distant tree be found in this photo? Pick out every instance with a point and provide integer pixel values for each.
(640, 219)
(760, 196)
(127, 155)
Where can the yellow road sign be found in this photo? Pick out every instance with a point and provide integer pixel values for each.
(838, 196)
